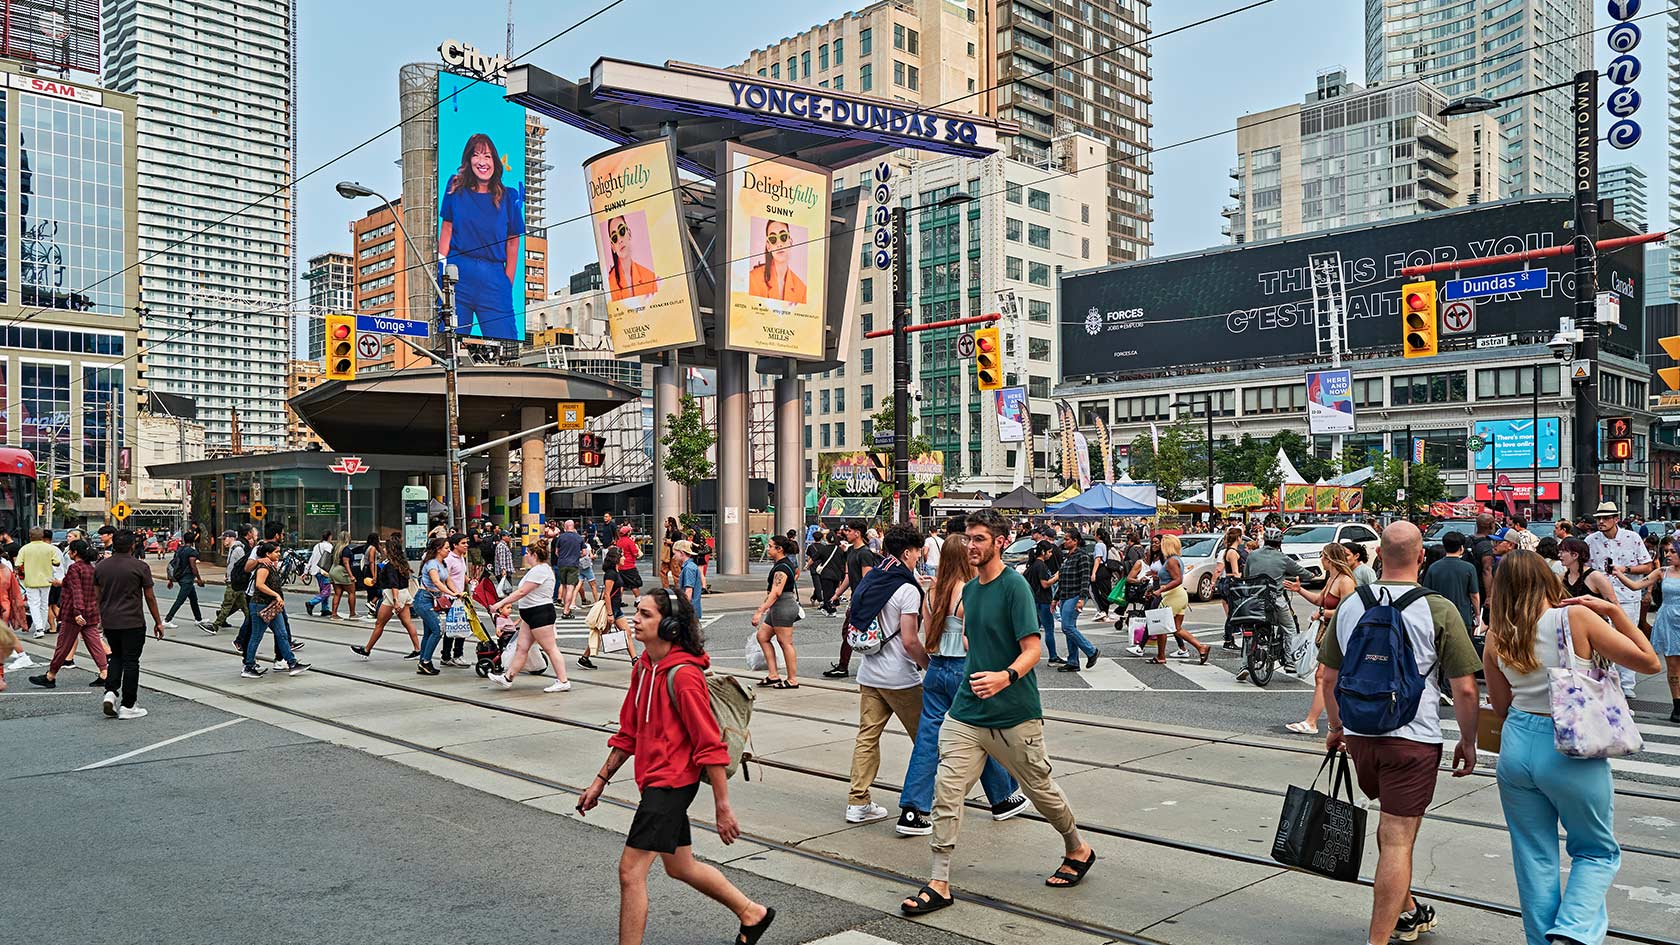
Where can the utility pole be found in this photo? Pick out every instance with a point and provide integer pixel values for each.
(1585, 105)
(1406, 472)
(111, 440)
(452, 400)
(901, 363)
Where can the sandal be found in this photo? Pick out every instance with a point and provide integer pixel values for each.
(770, 682)
(1303, 727)
(750, 934)
(1070, 880)
(784, 684)
(1156, 660)
(1207, 651)
(926, 900)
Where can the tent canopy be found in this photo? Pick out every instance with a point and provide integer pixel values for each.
(1104, 499)
(1020, 500)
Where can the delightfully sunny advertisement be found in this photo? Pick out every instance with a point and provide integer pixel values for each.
(645, 268)
(776, 256)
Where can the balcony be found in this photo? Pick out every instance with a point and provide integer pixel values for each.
(1236, 172)
(1236, 192)
(1046, 5)
(1230, 210)
(1436, 161)
(1438, 182)
(1028, 18)
(1032, 72)
(1025, 97)
(1032, 45)
(1431, 201)
(1435, 135)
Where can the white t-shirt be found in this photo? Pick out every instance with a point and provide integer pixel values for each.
(1420, 627)
(931, 549)
(543, 577)
(320, 558)
(890, 666)
(1626, 549)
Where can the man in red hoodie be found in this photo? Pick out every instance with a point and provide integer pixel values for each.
(670, 728)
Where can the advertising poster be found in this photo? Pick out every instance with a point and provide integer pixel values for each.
(1243, 495)
(1510, 443)
(1330, 402)
(639, 239)
(851, 474)
(481, 205)
(776, 259)
(1295, 497)
(1326, 499)
(1012, 414)
(1353, 499)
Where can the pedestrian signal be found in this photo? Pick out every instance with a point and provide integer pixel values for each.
(1417, 300)
(1618, 439)
(590, 453)
(341, 348)
(988, 359)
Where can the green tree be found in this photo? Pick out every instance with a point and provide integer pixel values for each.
(1383, 489)
(882, 422)
(686, 443)
(63, 499)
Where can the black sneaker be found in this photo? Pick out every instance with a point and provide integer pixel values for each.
(252, 672)
(911, 823)
(584, 661)
(836, 672)
(1005, 809)
(96, 681)
(1414, 923)
(1091, 660)
(309, 608)
(413, 656)
(44, 681)
(296, 645)
(426, 669)
(1072, 667)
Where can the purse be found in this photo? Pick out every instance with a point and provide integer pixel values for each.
(1590, 715)
(273, 610)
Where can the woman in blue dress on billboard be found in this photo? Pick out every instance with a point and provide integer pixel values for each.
(482, 222)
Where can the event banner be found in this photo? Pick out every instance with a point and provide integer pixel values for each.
(1244, 495)
(1330, 401)
(1510, 444)
(1012, 414)
(776, 255)
(481, 205)
(639, 238)
(1305, 497)
(861, 473)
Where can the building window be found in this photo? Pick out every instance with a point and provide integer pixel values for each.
(1012, 268)
(827, 440)
(827, 401)
(1038, 349)
(840, 54)
(898, 72)
(867, 292)
(1085, 247)
(1282, 398)
(864, 43)
(808, 396)
(1012, 192)
(911, 43)
(868, 361)
(868, 321)
(775, 70)
(1038, 311)
(839, 434)
(915, 77)
(1444, 448)
(1084, 213)
(868, 432)
(840, 397)
(102, 389)
(898, 35)
(1038, 388)
(793, 69)
(1038, 199)
(971, 50)
(1038, 236)
(1038, 273)
(868, 394)
(866, 80)
(822, 58)
(1412, 389)
(1012, 229)
(45, 393)
(839, 82)
(807, 436)
(1493, 383)
(1367, 392)
(764, 72)
(805, 63)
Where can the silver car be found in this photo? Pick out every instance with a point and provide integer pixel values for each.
(1201, 560)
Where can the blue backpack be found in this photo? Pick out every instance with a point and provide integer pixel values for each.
(1380, 686)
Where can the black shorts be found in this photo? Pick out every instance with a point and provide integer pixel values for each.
(541, 615)
(661, 823)
(52, 596)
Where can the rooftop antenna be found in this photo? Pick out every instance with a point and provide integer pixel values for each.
(510, 31)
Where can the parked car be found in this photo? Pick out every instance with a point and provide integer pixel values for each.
(1018, 553)
(1305, 542)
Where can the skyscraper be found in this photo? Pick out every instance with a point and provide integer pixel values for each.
(1624, 186)
(331, 290)
(215, 200)
(1103, 90)
(1468, 48)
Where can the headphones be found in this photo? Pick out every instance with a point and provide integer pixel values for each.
(669, 626)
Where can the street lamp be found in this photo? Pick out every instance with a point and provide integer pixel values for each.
(350, 190)
(901, 351)
(1584, 106)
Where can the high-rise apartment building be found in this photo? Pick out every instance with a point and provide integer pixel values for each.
(216, 140)
(1624, 185)
(304, 374)
(331, 290)
(1348, 155)
(1103, 90)
(1492, 49)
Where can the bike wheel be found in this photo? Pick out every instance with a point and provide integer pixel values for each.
(1257, 659)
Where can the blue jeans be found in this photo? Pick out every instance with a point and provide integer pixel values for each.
(431, 623)
(939, 687)
(1047, 629)
(1076, 641)
(1538, 787)
(282, 636)
(325, 587)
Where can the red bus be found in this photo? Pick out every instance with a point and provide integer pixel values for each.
(17, 492)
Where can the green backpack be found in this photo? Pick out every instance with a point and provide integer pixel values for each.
(732, 704)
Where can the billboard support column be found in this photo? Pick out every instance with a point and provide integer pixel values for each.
(901, 364)
(498, 510)
(667, 392)
(532, 471)
(790, 455)
(732, 469)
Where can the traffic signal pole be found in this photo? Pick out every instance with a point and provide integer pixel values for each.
(1584, 103)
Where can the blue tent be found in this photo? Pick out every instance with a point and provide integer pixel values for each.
(1105, 499)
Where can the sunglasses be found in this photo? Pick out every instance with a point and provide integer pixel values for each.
(618, 232)
(773, 239)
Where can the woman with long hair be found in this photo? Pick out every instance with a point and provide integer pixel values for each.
(394, 598)
(1581, 579)
(535, 597)
(1102, 578)
(772, 278)
(369, 575)
(1665, 629)
(626, 278)
(1532, 629)
(667, 570)
(433, 600)
(481, 225)
(343, 582)
(612, 591)
(1175, 598)
(780, 611)
(1339, 584)
(1232, 557)
(947, 648)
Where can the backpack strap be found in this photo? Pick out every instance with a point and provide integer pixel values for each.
(1410, 597)
(1367, 596)
(671, 681)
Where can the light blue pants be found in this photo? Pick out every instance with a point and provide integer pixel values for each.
(1538, 788)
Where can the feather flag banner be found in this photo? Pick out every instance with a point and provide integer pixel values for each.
(1070, 461)
(1082, 449)
(1107, 447)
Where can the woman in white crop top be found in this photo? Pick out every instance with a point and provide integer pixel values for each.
(1539, 788)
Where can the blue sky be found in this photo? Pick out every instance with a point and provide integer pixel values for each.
(1204, 79)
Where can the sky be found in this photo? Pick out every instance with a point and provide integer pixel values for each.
(1204, 79)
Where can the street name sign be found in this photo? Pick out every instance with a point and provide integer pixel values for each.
(385, 325)
(1499, 283)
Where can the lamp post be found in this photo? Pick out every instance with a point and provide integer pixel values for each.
(901, 320)
(447, 359)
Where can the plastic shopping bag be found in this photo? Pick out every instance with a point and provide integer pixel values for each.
(755, 656)
(455, 625)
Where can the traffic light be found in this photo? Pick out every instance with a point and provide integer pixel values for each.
(1618, 439)
(104, 484)
(1670, 375)
(988, 359)
(589, 450)
(1417, 300)
(341, 348)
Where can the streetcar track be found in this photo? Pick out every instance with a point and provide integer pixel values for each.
(1097, 829)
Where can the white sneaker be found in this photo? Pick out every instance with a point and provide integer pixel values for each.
(20, 661)
(561, 686)
(110, 707)
(126, 713)
(865, 813)
(501, 680)
(169, 625)
(1135, 650)
(37, 634)
(1180, 654)
(279, 666)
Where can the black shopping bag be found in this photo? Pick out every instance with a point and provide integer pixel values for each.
(1321, 833)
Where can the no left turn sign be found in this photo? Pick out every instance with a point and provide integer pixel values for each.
(1458, 318)
(367, 346)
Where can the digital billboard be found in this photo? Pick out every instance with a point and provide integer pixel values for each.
(775, 213)
(1509, 444)
(1253, 303)
(481, 205)
(1330, 401)
(639, 236)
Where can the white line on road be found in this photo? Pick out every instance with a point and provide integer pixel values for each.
(168, 741)
(1110, 676)
(1208, 677)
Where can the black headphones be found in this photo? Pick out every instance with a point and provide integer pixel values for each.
(669, 625)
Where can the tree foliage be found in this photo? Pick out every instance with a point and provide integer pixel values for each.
(882, 422)
(686, 442)
(1182, 454)
(1383, 489)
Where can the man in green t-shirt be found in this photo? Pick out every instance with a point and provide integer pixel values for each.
(997, 715)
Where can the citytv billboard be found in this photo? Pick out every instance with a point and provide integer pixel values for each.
(1254, 302)
(481, 204)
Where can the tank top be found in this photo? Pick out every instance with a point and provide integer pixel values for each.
(951, 641)
(1532, 692)
(1578, 588)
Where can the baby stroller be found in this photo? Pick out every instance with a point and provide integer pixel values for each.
(491, 651)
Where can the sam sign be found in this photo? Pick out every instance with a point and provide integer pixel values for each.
(1330, 402)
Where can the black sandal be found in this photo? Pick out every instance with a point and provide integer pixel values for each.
(770, 682)
(1206, 652)
(1070, 880)
(750, 934)
(784, 684)
(927, 900)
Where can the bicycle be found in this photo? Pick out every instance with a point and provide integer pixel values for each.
(1265, 642)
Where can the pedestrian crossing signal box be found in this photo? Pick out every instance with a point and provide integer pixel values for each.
(590, 450)
(1618, 439)
(341, 348)
(1419, 318)
(988, 359)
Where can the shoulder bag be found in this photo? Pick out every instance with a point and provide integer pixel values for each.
(1590, 714)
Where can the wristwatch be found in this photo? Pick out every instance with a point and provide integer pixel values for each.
(1014, 677)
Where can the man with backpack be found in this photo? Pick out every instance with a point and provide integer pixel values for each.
(183, 570)
(1391, 643)
(667, 722)
(884, 621)
(859, 561)
(238, 545)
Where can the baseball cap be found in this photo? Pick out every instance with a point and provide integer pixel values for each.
(1502, 534)
(685, 546)
(230, 533)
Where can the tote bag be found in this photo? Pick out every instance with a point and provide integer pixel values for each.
(1159, 621)
(1322, 833)
(1590, 714)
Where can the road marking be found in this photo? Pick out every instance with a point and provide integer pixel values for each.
(1209, 677)
(168, 741)
(1617, 765)
(1109, 676)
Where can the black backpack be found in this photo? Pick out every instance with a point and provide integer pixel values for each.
(179, 570)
